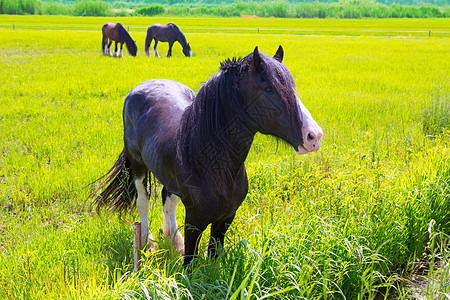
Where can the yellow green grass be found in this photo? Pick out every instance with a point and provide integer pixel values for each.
(341, 223)
(357, 27)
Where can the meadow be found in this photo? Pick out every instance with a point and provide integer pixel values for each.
(356, 219)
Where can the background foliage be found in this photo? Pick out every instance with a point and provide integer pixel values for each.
(278, 8)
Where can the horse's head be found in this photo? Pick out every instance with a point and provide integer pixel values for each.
(187, 50)
(272, 105)
(132, 48)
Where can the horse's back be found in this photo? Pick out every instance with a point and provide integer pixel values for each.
(162, 33)
(108, 25)
(169, 96)
(107, 28)
(151, 115)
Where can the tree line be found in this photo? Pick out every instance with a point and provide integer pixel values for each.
(279, 9)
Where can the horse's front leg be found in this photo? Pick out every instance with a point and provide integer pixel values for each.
(169, 53)
(218, 230)
(121, 50)
(115, 49)
(192, 234)
(155, 48)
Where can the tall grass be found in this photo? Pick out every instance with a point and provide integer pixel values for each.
(436, 117)
(343, 222)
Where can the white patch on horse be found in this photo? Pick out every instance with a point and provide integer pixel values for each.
(120, 53)
(311, 131)
(142, 208)
(170, 227)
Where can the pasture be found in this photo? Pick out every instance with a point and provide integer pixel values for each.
(346, 222)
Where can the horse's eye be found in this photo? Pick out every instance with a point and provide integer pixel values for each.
(268, 90)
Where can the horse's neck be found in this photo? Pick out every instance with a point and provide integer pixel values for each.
(226, 153)
(181, 38)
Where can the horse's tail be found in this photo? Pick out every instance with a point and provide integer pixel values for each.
(118, 192)
(103, 44)
(104, 39)
(148, 40)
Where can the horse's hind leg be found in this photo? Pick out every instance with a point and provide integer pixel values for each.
(115, 50)
(104, 44)
(142, 202)
(108, 50)
(155, 48)
(170, 227)
(148, 41)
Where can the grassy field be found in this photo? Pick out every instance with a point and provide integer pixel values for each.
(346, 222)
(357, 27)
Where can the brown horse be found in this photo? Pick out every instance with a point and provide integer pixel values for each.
(169, 33)
(196, 145)
(117, 33)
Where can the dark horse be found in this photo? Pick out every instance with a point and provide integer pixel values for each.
(170, 33)
(117, 33)
(196, 145)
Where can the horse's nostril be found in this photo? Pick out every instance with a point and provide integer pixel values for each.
(310, 137)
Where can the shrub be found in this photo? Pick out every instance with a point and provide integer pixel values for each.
(18, 7)
(92, 8)
(121, 13)
(151, 10)
(56, 9)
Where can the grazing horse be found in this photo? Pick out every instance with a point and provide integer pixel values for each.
(196, 145)
(117, 33)
(170, 33)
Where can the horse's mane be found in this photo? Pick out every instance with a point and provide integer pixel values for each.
(125, 34)
(201, 136)
(217, 111)
(180, 36)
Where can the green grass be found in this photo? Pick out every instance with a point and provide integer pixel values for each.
(340, 223)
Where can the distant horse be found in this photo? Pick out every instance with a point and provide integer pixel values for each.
(170, 33)
(196, 145)
(117, 33)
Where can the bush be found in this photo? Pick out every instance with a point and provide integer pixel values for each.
(92, 8)
(18, 7)
(56, 9)
(151, 10)
(121, 13)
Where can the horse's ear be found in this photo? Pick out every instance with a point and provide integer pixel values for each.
(280, 54)
(257, 63)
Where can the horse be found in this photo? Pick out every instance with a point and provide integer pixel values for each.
(196, 145)
(170, 33)
(117, 33)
